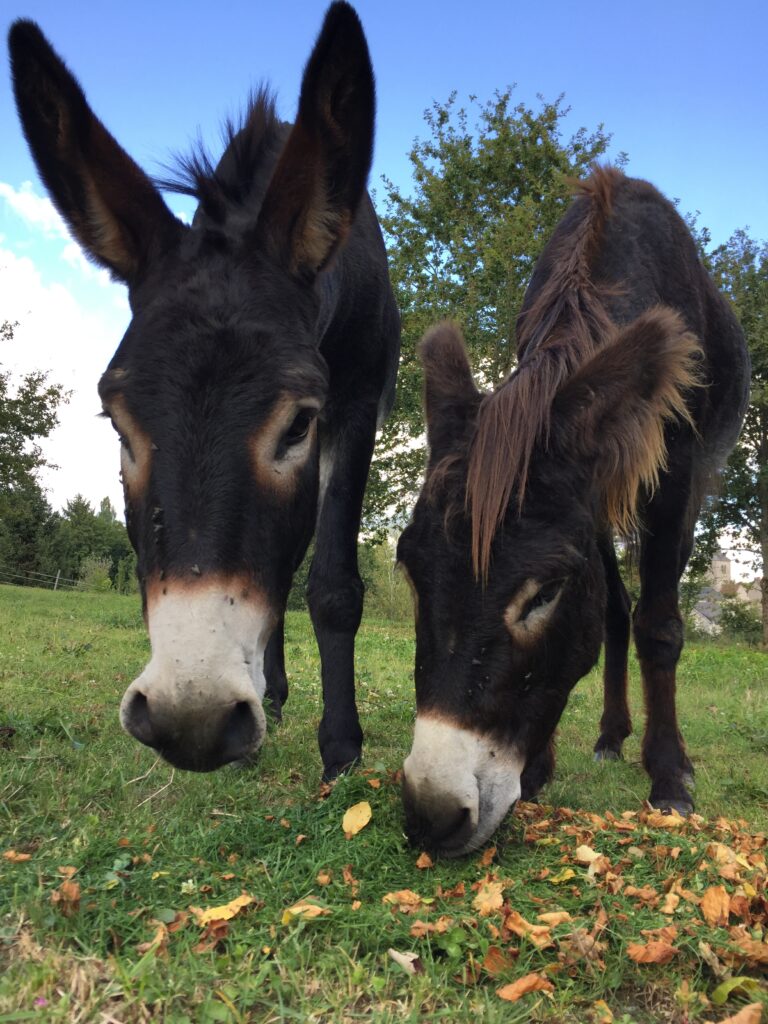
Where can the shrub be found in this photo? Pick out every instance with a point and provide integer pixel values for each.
(94, 574)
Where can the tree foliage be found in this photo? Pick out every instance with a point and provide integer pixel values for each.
(740, 268)
(489, 182)
(28, 413)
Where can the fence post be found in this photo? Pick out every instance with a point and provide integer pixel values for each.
(56, 581)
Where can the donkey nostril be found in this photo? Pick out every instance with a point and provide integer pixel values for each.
(138, 721)
(239, 733)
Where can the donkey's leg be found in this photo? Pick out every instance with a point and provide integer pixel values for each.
(616, 724)
(335, 590)
(538, 772)
(274, 671)
(658, 629)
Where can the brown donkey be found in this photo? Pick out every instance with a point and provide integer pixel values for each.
(630, 390)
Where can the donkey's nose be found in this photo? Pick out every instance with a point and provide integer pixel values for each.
(438, 820)
(200, 741)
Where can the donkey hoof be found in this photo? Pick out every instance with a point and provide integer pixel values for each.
(683, 807)
(606, 754)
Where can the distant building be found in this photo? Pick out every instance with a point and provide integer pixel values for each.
(721, 569)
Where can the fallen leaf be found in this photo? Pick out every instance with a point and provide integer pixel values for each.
(563, 876)
(356, 818)
(751, 1014)
(406, 900)
(324, 877)
(16, 858)
(715, 906)
(158, 944)
(212, 934)
(554, 917)
(740, 986)
(356, 904)
(456, 892)
(489, 898)
(421, 928)
(754, 951)
(349, 878)
(538, 934)
(67, 897)
(424, 861)
(301, 839)
(671, 901)
(487, 857)
(222, 913)
(410, 962)
(602, 1013)
(653, 952)
(585, 855)
(709, 957)
(530, 983)
(497, 961)
(303, 911)
(374, 783)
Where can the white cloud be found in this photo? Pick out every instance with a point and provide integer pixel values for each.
(75, 257)
(73, 343)
(36, 211)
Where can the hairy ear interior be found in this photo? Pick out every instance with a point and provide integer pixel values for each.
(450, 395)
(615, 408)
(108, 202)
(321, 175)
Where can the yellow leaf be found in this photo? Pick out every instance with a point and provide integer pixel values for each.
(562, 876)
(530, 983)
(603, 1012)
(158, 874)
(356, 818)
(222, 913)
(303, 911)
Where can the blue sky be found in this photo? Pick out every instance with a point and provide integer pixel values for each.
(682, 87)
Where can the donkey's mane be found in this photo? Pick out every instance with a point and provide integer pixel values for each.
(252, 143)
(564, 323)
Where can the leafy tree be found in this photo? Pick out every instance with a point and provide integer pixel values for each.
(489, 184)
(82, 534)
(26, 523)
(28, 412)
(740, 267)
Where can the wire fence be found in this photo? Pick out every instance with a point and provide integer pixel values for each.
(19, 577)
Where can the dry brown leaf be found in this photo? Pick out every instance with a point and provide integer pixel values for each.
(655, 819)
(349, 879)
(489, 898)
(709, 957)
(497, 960)
(421, 928)
(212, 934)
(222, 913)
(67, 897)
(580, 945)
(405, 900)
(304, 911)
(410, 962)
(374, 783)
(554, 917)
(671, 901)
(324, 877)
(653, 952)
(456, 892)
(67, 871)
(538, 934)
(158, 944)
(301, 838)
(715, 906)
(16, 858)
(530, 983)
(751, 1014)
(424, 861)
(754, 951)
(487, 857)
(356, 818)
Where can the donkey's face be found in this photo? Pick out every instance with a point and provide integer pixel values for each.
(497, 656)
(217, 387)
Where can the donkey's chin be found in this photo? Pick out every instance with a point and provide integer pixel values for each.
(457, 786)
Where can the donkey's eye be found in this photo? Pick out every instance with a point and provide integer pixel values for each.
(299, 429)
(545, 596)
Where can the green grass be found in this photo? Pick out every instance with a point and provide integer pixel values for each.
(148, 842)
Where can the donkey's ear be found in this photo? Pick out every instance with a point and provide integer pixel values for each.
(450, 396)
(108, 202)
(614, 409)
(321, 175)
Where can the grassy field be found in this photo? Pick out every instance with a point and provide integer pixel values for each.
(104, 850)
